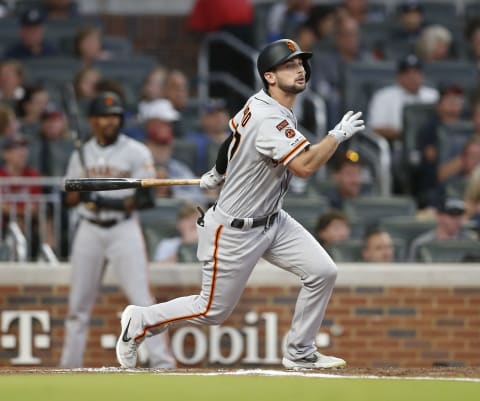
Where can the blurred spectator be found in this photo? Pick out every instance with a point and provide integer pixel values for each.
(8, 121)
(12, 76)
(378, 247)
(153, 86)
(448, 110)
(32, 41)
(53, 128)
(450, 218)
(86, 82)
(410, 22)
(385, 112)
(321, 20)
(285, 17)
(88, 45)
(360, 12)
(347, 176)
(233, 16)
(214, 125)
(472, 200)
(457, 170)
(472, 34)
(170, 249)
(33, 104)
(328, 66)
(16, 202)
(332, 226)
(434, 44)
(61, 9)
(5, 10)
(176, 90)
(158, 119)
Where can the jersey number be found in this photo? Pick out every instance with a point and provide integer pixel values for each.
(246, 116)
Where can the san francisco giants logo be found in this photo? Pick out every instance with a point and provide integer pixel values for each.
(291, 45)
(109, 101)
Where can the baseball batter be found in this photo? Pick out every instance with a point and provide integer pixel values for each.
(108, 230)
(247, 222)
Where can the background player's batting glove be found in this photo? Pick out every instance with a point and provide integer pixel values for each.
(348, 126)
(211, 179)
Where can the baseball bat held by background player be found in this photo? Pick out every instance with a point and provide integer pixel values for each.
(110, 184)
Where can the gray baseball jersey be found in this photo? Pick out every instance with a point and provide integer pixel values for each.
(246, 224)
(121, 244)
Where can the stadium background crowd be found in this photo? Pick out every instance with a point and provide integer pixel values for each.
(407, 189)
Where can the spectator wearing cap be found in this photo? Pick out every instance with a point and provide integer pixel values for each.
(410, 22)
(32, 42)
(16, 199)
(214, 130)
(347, 178)
(450, 219)
(448, 110)
(12, 77)
(158, 118)
(385, 111)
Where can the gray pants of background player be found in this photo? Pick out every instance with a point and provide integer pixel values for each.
(123, 246)
(229, 256)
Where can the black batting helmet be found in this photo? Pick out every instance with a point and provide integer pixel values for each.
(279, 52)
(106, 103)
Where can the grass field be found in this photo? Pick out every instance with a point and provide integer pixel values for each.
(155, 386)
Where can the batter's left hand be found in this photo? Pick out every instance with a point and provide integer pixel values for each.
(211, 179)
(348, 126)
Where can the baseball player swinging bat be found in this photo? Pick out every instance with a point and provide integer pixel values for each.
(110, 184)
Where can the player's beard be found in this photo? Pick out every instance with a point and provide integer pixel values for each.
(293, 89)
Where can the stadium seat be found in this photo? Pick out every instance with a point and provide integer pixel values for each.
(452, 138)
(187, 253)
(450, 251)
(131, 69)
(362, 79)
(159, 222)
(442, 73)
(186, 152)
(406, 228)
(371, 210)
(306, 210)
(53, 70)
(351, 250)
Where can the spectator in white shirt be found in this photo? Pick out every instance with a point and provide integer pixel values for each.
(386, 107)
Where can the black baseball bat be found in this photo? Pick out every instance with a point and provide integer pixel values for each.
(110, 184)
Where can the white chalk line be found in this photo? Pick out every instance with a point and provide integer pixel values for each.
(243, 372)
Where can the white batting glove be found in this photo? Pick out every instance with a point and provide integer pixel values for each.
(211, 179)
(348, 126)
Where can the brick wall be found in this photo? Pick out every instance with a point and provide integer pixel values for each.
(368, 325)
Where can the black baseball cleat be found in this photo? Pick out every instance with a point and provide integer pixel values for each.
(315, 360)
(126, 348)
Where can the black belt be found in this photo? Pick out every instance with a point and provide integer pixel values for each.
(104, 223)
(257, 222)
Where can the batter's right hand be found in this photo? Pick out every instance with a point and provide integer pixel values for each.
(211, 179)
(348, 126)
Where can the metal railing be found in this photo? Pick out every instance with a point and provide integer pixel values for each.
(28, 218)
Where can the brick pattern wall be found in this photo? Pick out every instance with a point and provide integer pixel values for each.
(368, 326)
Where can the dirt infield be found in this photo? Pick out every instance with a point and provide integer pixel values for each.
(434, 372)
